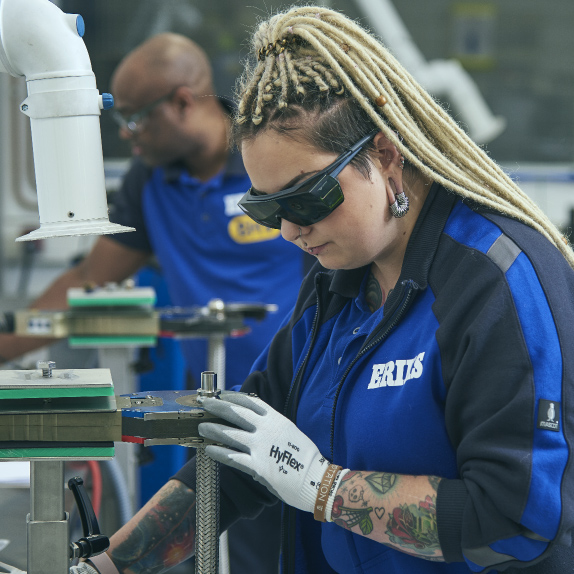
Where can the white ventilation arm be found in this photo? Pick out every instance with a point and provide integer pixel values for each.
(442, 78)
(41, 43)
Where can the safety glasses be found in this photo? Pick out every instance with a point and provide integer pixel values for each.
(304, 203)
(133, 122)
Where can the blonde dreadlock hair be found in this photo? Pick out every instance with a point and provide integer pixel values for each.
(315, 60)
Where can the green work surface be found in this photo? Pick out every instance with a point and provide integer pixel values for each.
(112, 341)
(60, 405)
(89, 453)
(111, 302)
(55, 392)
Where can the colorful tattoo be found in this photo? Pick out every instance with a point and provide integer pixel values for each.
(373, 293)
(164, 537)
(381, 482)
(349, 517)
(409, 526)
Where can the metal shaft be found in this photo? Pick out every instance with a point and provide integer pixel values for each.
(216, 363)
(207, 491)
(216, 358)
(207, 517)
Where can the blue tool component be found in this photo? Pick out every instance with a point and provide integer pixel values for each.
(168, 398)
(107, 101)
(80, 26)
(132, 413)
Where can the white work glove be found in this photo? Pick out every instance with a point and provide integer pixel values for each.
(272, 449)
(83, 568)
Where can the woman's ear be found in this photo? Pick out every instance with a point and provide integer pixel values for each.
(388, 155)
(391, 163)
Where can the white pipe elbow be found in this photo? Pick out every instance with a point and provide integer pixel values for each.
(40, 42)
(37, 40)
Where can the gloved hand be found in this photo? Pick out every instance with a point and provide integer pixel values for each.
(83, 568)
(272, 449)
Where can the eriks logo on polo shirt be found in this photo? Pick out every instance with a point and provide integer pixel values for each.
(396, 373)
(548, 415)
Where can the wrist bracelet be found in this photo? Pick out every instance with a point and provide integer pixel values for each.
(333, 495)
(103, 564)
(324, 490)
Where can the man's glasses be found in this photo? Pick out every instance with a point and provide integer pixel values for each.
(304, 203)
(133, 122)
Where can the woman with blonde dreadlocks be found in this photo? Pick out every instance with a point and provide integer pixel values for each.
(412, 412)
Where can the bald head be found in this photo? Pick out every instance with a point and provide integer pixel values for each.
(164, 62)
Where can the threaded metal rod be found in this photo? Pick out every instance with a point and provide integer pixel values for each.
(207, 514)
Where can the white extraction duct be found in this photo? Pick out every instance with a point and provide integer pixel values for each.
(41, 43)
(439, 77)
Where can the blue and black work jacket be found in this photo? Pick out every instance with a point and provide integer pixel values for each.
(466, 373)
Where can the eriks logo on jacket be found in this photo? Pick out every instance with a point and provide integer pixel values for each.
(396, 373)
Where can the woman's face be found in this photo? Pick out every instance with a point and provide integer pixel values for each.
(361, 230)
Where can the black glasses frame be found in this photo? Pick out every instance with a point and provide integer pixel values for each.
(133, 122)
(307, 202)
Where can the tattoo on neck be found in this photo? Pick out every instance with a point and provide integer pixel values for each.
(374, 295)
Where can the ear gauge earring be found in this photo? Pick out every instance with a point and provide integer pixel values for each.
(401, 205)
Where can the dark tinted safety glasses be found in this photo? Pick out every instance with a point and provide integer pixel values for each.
(304, 203)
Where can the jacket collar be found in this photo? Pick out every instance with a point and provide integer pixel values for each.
(420, 251)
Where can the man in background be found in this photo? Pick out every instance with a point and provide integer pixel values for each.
(181, 196)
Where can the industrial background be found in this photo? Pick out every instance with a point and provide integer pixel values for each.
(518, 54)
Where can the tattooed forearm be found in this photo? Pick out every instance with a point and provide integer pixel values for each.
(160, 535)
(397, 510)
(381, 482)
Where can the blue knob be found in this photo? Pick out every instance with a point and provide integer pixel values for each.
(107, 101)
(80, 26)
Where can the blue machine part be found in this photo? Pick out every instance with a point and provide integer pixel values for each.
(80, 26)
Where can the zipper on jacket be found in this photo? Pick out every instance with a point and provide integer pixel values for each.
(289, 514)
(299, 373)
(411, 287)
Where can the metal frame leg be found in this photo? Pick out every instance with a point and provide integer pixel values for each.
(48, 537)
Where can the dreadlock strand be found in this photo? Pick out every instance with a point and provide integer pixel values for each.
(284, 81)
(294, 77)
(257, 112)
